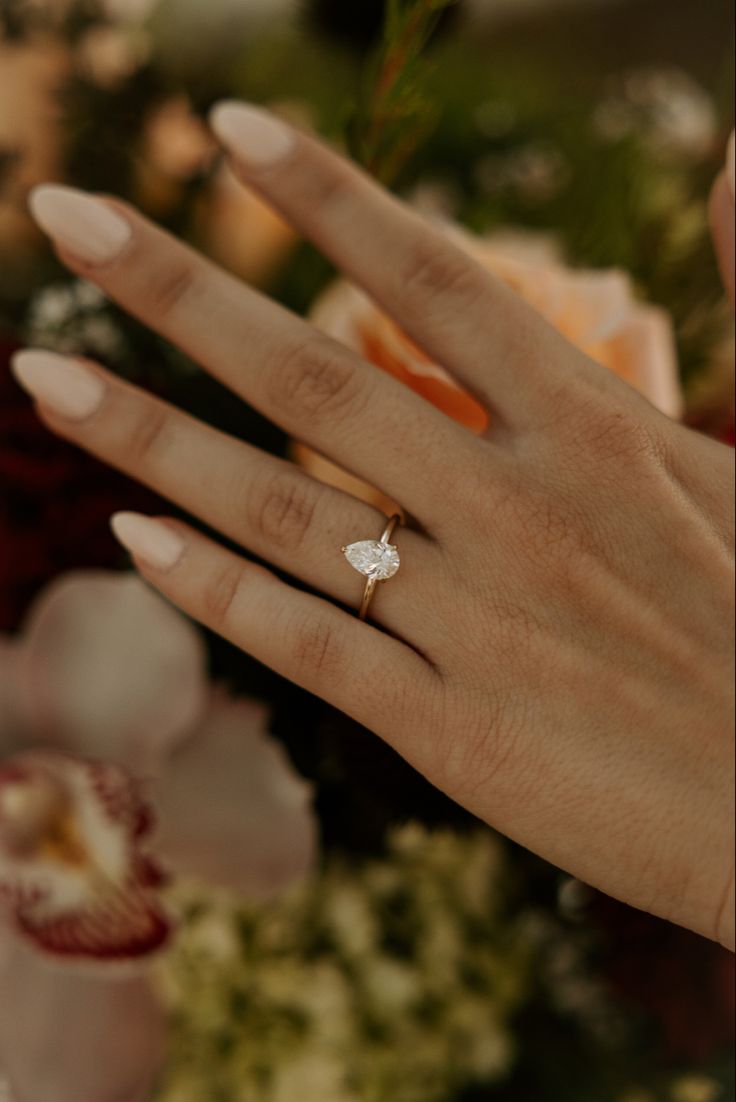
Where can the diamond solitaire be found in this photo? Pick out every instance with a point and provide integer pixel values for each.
(378, 560)
(373, 558)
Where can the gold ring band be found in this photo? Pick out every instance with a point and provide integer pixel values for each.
(378, 560)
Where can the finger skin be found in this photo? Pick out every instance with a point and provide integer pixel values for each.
(456, 310)
(352, 665)
(265, 504)
(722, 220)
(313, 387)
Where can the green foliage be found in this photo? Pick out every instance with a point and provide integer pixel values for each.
(394, 114)
(395, 979)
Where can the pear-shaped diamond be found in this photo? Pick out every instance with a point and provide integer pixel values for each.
(373, 558)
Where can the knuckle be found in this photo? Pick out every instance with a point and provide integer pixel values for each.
(169, 286)
(317, 651)
(282, 513)
(617, 434)
(324, 191)
(147, 435)
(435, 269)
(220, 594)
(315, 379)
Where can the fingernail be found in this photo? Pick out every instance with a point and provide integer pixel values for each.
(150, 540)
(731, 164)
(59, 383)
(254, 136)
(80, 223)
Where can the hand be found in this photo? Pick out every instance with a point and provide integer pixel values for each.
(555, 651)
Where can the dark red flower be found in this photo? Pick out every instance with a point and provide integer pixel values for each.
(682, 981)
(55, 502)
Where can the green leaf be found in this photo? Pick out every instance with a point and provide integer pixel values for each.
(394, 114)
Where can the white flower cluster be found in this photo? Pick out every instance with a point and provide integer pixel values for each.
(397, 979)
(685, 1088)
(665, 108)
(75, 317)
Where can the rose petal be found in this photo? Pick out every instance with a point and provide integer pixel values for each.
(111, 670)
(644, 354)
(324, 470)
(230, 807)
(595, 309)
(74, 874)
(73, 1037)
(346, 313)
(598, 304)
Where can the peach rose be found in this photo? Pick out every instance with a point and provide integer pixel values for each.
(31, 76)
(595, 309)
(240, 230)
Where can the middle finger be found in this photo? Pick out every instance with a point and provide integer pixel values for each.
(263, 503)
(312, 386)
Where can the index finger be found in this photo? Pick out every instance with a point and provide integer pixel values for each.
(462, 315)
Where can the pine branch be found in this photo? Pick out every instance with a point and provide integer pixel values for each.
(394, 116)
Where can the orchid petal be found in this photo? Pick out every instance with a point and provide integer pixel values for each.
(231, 809)
(111, 670)
(74, 874)
(11, 724)
(75, 1037)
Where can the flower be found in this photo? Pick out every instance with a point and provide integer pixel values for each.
(107, 710)
(175, 148)
(118, 762)
(236, 227)
(344, 1014)
(109, 55)
(31, 74)
(666, 108)
(74, 876)
(76, 1037)
(595, 309)
(240, 231)
(54, 498)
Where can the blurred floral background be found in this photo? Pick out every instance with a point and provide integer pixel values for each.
(214, 888)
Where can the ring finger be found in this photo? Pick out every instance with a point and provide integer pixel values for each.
(261, 502)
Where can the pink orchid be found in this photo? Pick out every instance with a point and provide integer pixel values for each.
(117, 762)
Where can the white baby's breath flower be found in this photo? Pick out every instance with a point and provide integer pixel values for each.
(696, 1088)
(75, 317)
(666, 108)
(312, 1077)
(391, 986)
(351, 920)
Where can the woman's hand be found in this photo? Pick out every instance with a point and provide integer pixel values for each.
(555, 652)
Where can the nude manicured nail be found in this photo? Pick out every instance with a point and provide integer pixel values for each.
(85, 226)
(150, 540)
(60, 383)
(731, 164)
(254, 136)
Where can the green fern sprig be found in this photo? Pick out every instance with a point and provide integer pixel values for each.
(394, 114)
